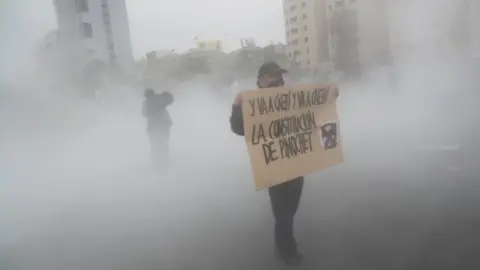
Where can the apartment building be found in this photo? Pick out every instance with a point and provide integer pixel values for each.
(474, 28)
(307, 35)
(343, 35)
(373, 33)
(95, 29)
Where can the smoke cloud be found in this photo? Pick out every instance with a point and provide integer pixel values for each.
(78, 192)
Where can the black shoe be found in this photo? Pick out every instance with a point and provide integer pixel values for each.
(295, 260)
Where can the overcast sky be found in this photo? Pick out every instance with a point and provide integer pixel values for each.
(157, 24)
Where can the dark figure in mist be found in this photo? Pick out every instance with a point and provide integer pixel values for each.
(285, 197)
(158, 124)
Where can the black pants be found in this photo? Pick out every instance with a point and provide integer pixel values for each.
(285, 199)
(159, 139)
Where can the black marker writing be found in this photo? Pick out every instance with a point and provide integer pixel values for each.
(269, 152)
(292, 146)
(292, 124)
(276, 103)
(252, 104)
(307, 99)
(258, 134)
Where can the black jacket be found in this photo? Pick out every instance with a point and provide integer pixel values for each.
(155, 110)
(236, 120)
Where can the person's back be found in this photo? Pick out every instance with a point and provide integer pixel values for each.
(159, 122)
(155, 110)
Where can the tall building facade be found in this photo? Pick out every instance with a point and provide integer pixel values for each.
(360, 35)
(95, 29)
(373, 33)
(345, 43)
(341, 35)
(474, 28)
(307, 35)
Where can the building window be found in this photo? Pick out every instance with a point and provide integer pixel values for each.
(308, 62)
(308, 50)
(293, 20)
(293, 7)
(305, 28)
(294, 42)
(294, 30)
(306, 39)
(111, 49)
(296, 53)
(304, 4)
(86, 30)
(304, 16)
(81, 6)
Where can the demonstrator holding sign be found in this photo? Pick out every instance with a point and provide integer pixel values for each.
(289, 132)
(285, 197)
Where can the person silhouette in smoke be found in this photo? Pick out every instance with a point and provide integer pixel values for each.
(284, 198)
(159, 123)
(329, 136)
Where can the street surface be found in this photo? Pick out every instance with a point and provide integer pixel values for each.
(80, 194)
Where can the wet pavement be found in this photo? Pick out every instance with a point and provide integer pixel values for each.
(106, 209)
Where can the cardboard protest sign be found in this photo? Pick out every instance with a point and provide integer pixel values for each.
(291, 132)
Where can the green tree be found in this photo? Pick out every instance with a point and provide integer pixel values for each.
(193, 64)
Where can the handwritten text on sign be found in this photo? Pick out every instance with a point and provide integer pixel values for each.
(283, 126)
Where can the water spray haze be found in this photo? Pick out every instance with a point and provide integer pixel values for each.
(78, 191)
